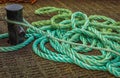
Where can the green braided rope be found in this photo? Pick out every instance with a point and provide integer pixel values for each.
(71, 34)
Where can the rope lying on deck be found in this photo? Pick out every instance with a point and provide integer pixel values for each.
(71, 35)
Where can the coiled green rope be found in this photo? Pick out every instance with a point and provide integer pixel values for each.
(72, 34)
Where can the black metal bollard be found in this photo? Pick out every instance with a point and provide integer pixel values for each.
(16, 32)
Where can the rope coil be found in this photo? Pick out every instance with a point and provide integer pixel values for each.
(64, 30)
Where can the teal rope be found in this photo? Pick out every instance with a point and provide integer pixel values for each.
(64, 30)
(17, 47)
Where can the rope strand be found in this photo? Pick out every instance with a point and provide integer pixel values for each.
(71, 34)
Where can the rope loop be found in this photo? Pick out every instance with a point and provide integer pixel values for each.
(72, 37)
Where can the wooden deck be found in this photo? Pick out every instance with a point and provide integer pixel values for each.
(25, 64)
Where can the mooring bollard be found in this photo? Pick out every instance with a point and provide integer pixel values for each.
(16, 32)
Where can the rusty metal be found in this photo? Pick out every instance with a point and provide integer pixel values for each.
(28, 1)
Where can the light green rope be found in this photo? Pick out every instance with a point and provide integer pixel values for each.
(71, 35)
